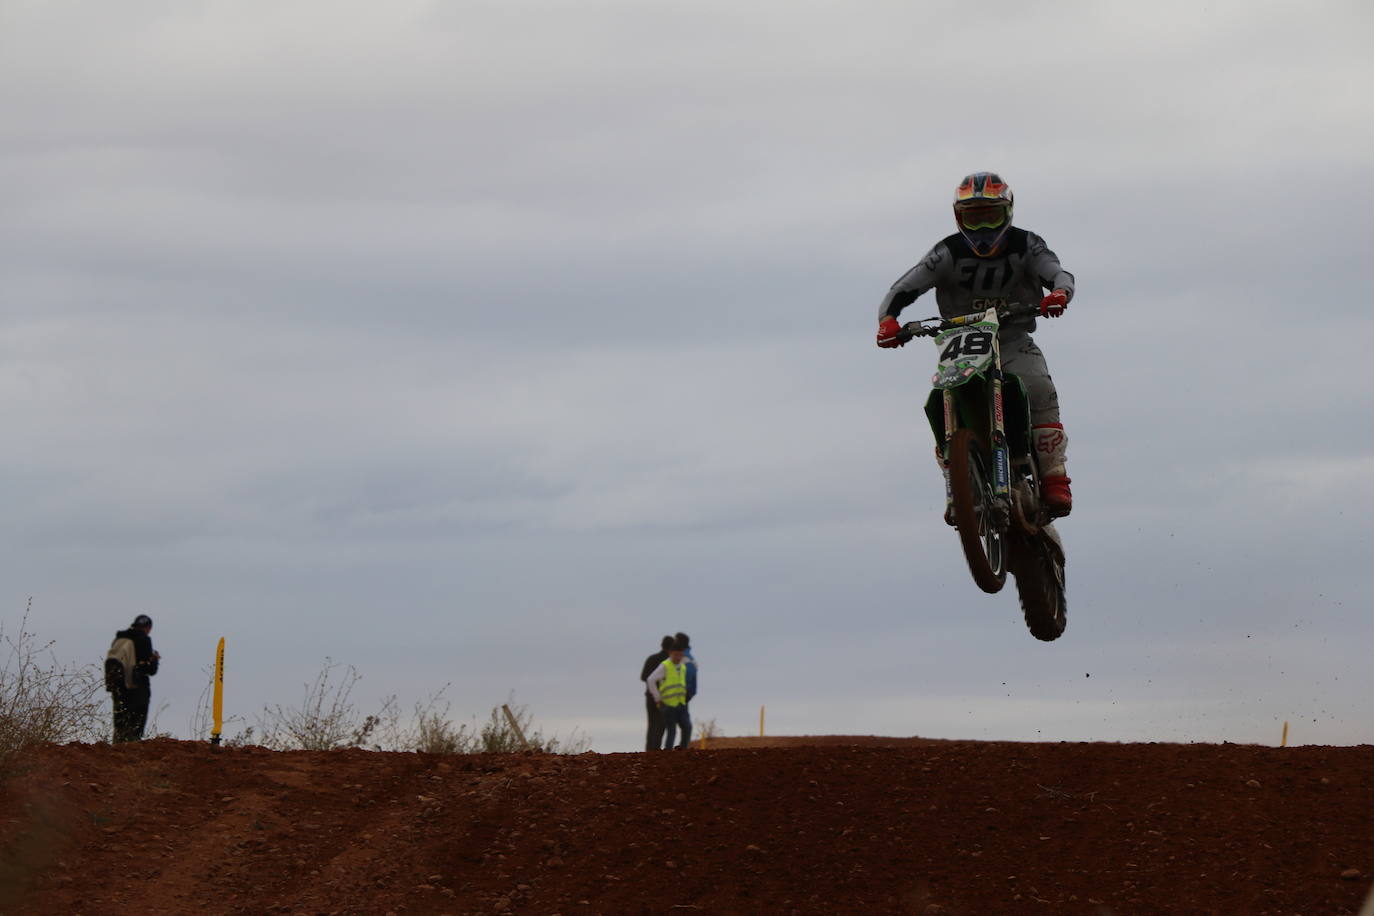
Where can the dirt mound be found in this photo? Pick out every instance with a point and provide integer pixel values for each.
(938, 827)
(821, 741)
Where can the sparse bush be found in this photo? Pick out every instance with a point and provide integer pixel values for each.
(433, 733)
(498, 737)
(327, 718)
(708, 729)
(41, 700)
(154, 729)
(243, 739)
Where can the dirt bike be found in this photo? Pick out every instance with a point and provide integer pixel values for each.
(981, 419)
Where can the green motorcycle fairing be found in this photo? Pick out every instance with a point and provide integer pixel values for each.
(971, 403)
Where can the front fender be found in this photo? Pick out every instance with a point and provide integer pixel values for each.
(970, 405)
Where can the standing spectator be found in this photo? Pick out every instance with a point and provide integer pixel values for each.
(671, 696)
(691, 664)
(653, 739)
(128, 680)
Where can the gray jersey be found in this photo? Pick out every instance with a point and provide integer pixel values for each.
(964, 282)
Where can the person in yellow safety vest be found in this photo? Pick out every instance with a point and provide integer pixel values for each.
(668, 686)
(653, 738)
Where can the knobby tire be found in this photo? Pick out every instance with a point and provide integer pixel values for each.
(985, 548)
(1040, 585)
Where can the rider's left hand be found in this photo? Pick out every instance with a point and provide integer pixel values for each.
(1053, 305)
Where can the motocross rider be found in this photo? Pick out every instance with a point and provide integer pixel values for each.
(990, 263)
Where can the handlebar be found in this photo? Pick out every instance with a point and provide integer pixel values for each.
(923, 329)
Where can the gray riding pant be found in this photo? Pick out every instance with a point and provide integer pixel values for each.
(1023, 358)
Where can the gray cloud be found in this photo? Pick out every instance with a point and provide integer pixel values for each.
(483, 342)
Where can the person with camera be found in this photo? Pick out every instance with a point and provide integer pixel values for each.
(127, 679)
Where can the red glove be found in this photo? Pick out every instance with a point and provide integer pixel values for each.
(1053, 305)
(890, 333)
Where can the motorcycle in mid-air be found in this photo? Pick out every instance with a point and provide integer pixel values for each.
(981, 419)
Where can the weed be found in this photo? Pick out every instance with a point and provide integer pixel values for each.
(497, 736)
(41, 700)
(327, 718)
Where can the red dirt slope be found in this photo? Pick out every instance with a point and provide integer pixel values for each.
(821, 741)
(938, 827)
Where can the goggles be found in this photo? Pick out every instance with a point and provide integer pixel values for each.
(981, 216)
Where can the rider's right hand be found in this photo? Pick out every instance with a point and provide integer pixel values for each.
(1053, 305)
(890, 333)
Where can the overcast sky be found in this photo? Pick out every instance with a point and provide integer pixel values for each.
(484, 343)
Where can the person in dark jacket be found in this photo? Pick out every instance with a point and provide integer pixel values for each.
(131, 703)
(685, 641)
(653, 739)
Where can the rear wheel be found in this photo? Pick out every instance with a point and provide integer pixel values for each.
(985, 547)
(1040, 585)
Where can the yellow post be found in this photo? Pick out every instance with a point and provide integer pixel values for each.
(760, 721)
(1284, 742)
(703, 739)
(219, 693)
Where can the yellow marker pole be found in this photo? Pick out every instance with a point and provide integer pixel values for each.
(1284, 742)
(760, 721)
(219, 693)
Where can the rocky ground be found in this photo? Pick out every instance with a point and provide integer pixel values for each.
(839, 825)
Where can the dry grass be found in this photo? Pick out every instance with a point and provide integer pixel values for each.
(497, 737)
(709, 730)
(328, 719)
(41, 700)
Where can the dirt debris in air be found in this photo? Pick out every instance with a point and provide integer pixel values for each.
(817, 825)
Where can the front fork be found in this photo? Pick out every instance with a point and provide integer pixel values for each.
(1001, 459)
(951, 416)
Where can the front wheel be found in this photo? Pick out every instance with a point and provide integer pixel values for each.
(985, 548)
